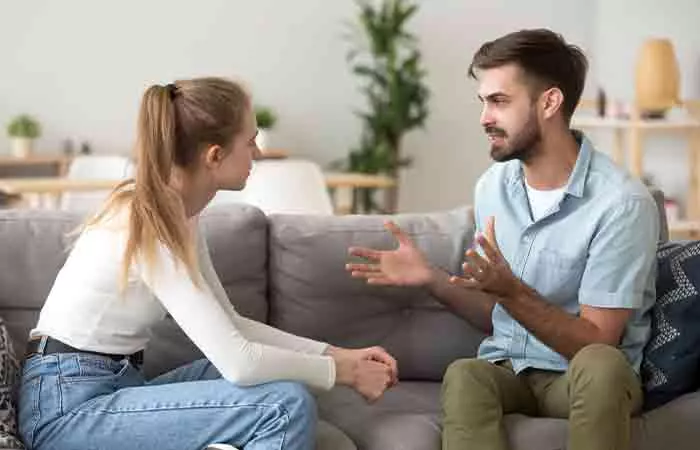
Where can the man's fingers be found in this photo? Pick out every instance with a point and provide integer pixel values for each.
(361, 267)
(465, 283)
(475, 259)
(491, 252)
(367, 253)
(398, 233)
(491, 232)
(369, 275)
(473, 272)
(380, 280)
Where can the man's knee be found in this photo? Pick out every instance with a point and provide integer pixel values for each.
(601, 369)
(466, 374)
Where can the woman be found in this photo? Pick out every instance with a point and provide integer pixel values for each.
(141, 258)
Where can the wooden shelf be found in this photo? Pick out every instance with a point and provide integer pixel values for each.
(628, 148)
(684, 229)
(675, 124)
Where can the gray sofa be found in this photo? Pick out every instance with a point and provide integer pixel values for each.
(288, 271)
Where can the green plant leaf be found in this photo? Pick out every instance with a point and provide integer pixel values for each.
(24, 126)
(386, 59)
(265, 117)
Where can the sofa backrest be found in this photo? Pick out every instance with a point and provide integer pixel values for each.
(309, 291)
(312, 294)
(34, 245)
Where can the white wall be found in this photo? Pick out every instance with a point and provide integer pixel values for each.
(453, 152)
(621, 26)
(80, 66)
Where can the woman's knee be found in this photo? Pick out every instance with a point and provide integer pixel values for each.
(297, 400)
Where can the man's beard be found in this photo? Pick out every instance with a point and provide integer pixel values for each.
(522, 146)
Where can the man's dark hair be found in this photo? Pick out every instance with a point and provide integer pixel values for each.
(545, 59)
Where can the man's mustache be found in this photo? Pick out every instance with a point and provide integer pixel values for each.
(495, 131)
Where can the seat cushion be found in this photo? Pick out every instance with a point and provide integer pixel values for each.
(671, 365)
(408, 417)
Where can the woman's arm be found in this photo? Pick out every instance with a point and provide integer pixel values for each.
(209, 325)
(251, 329)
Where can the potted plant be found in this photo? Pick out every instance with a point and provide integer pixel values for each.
(386, 58)
(22, 131)
(266, 120)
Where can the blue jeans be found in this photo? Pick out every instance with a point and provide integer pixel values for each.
(74, 401)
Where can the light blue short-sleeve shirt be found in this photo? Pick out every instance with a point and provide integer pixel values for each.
(596, 246)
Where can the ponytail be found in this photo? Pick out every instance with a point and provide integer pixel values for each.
(175, 122)
(156, 211)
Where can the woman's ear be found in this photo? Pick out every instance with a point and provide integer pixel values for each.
(212, 156)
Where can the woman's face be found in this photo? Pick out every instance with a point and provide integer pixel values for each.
(233, 168)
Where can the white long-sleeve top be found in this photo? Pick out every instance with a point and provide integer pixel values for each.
(86, 310)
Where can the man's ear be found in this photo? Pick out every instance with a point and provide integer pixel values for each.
(552, 101)
(212, 156)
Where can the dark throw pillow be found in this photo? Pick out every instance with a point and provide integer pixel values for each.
(671, 365)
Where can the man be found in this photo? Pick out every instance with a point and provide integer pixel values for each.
(564, 278)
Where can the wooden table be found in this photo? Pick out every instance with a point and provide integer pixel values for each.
(46, 191)
(58, 163)
(358, 180)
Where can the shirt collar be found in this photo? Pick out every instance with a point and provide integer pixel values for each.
(577, 179)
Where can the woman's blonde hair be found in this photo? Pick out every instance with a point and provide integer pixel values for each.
(176, 122)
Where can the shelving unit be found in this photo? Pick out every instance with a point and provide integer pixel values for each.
(628, 151)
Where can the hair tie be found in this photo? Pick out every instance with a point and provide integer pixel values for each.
(172, 90)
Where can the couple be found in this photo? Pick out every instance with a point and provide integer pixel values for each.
(560, 276)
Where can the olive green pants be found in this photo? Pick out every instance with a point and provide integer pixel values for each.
(598, 394)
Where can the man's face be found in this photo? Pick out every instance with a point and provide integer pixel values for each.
(509, 115)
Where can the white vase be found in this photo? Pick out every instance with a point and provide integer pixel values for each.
(261, 139)
(22, 147)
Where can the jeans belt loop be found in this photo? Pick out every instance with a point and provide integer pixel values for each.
(42, 344)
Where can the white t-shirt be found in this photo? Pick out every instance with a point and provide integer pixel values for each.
(542, 201)
(86, 310)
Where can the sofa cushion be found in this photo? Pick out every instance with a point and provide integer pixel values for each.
(34, 247)
(671, 364)
(408, 417)
(9, 372)
(311, 293)
(237, 239)
(236, 235)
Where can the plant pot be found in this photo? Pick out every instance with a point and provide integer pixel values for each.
(261, 139)
(22, 147)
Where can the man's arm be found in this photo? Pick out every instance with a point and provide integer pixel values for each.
(472, 305)
(618, 268)
(563, 332)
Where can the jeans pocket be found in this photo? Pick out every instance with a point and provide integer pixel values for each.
(85, 377)
(81, 367)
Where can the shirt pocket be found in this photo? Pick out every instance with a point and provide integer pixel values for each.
(557, 275)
